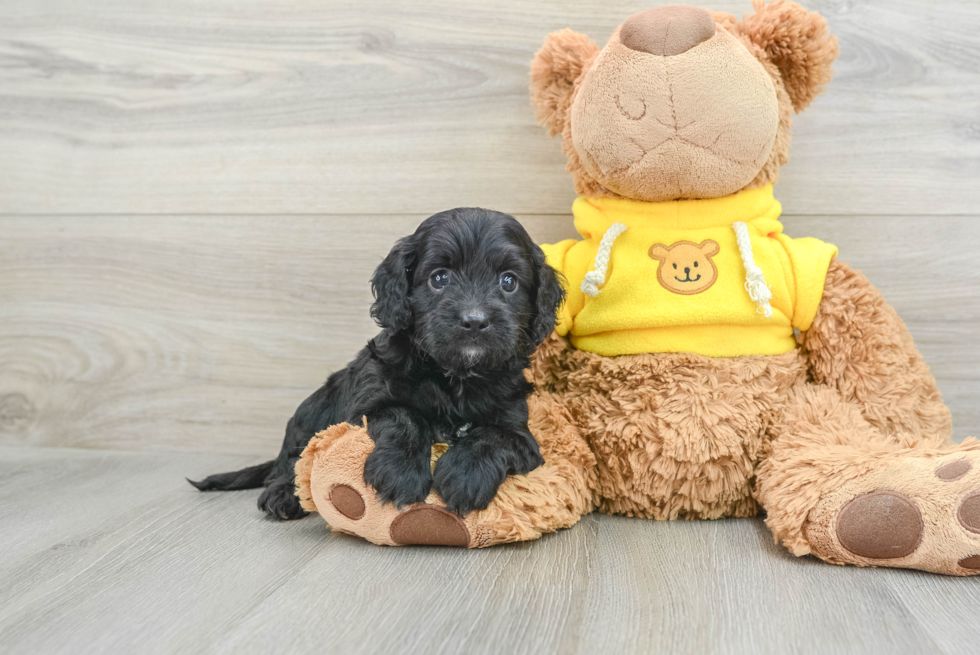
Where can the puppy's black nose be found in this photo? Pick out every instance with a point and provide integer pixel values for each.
(474, 321)
(687, 270)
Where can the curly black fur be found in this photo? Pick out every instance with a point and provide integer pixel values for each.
(447, 367)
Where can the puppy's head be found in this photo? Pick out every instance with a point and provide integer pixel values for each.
(472, 289)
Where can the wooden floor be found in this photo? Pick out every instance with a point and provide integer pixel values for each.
(113, 552)
(192, 197)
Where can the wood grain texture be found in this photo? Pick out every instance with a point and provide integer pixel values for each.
(115, 552)
(205, 333)
(192, 198)
(379, 106)
(196, 332)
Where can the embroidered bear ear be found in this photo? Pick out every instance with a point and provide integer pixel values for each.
(554, 70)
(798, 42)
(658, 251)
(709, 248)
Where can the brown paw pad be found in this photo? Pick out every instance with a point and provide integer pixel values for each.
(347, 501)
(971, 562)
(430, 526)
(969, 512)
(880, 525)
(953, 471)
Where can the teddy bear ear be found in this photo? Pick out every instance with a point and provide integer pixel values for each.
(556, 66)
(798, 42)
(658, 251)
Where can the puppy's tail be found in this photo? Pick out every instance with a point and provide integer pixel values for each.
(248, 478)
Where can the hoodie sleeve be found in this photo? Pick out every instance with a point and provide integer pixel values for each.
(558, 256)
(810, 260)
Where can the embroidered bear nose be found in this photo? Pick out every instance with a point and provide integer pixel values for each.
(668, 30)
(688, 271)
(474, 321)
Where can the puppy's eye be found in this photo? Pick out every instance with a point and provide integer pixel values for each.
(439, 279)
(508, 283)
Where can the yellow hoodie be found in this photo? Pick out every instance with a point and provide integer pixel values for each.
(715, 277)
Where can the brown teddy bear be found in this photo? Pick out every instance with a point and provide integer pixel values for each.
(705, 364)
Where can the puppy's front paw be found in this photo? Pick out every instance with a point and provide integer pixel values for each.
(467, 481)
(398, 477)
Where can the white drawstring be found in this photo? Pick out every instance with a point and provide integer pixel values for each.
(755, 281)
(597, 276)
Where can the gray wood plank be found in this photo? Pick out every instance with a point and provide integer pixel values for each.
(170, 570)
(133, 106)
(724, 587)
(147, 333)
(204, 333)
(56, 505)
(944, 611)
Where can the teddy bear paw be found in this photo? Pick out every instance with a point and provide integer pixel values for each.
(331, 481)
(913, 512)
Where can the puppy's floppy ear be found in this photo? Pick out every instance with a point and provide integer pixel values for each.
(390, 285)
(556, 66)
(798, 43)
(549, 294)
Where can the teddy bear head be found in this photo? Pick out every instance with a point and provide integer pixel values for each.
(682, 102)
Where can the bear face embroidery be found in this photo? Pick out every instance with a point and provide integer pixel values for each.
(686, 267)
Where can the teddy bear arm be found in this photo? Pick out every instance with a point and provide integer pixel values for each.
(858, 345)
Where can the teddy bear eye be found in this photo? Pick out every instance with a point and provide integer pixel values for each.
(695, 264)
(675, 265)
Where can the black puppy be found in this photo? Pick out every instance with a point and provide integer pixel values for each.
(463, 304)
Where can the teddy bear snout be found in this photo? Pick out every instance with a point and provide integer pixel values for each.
(666, 31)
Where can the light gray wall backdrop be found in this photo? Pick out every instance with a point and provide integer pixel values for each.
(193, 194)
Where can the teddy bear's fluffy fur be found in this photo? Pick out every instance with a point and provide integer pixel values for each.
(844, 441)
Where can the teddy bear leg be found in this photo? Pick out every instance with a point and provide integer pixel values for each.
(859, 346)
(330, 481)
(838, 488)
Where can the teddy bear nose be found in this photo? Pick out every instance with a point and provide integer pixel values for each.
(668, 30)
